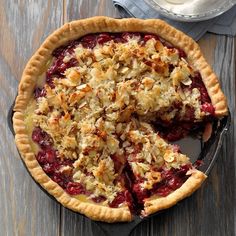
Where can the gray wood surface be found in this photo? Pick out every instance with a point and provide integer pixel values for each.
(26, 210)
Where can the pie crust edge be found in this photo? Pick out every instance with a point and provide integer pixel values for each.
(36, 66)
(191, 184)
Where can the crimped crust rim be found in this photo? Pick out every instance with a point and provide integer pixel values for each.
(160, 203)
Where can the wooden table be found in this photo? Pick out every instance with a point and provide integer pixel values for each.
(25, 210)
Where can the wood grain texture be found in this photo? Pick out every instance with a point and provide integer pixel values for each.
(26, 210)
(78, 9)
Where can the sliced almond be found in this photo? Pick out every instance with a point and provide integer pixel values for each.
(169, 157)
(187, 81)
(159, 46)
(124, 70)
(84, 88)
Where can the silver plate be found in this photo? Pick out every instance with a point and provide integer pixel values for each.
(192, 10)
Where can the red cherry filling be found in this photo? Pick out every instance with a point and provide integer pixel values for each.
(75, 188)
(120, 198)
(208, 108)
(103, 38)
(150, 36)
(175, 131)
(198, 83)
(89, 41)
(140, 193)
(175, 182)
(58, 68)
(99, 199)
(205, 99)
(64, 50)
(60, 179)
(181, 128)
(163, 190)
(41, 137)
(171, 180)
(46, 156)
(51, 164)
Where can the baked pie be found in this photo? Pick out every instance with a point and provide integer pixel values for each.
(98, 106)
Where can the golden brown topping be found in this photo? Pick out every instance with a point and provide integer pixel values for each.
(89, 112)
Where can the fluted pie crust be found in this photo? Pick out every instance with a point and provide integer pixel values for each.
(37, 64)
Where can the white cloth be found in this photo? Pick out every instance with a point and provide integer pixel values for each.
(223, 24)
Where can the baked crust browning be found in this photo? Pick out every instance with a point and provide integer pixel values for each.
(160, 203)
(37, 65)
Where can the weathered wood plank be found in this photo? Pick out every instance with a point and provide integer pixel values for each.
(25, 209)
(78, 9)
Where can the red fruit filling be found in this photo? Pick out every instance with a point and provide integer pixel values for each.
(181, 128)
(41, 138)
(99, 199)
(171, 180)
(140, 193)
(103, 38)
(198, 83)
(120, 198)
(65, 50)
(176, 131)
(46, 156)
(75, 188)
(208, 108)
(150, 36)
(58, 68)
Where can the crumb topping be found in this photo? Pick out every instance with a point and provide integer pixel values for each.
(90, 111)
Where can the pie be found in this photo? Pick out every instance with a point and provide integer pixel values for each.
(98, 106)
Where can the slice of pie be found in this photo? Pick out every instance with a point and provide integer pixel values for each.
(97, 108)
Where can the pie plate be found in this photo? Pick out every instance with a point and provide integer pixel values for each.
(207, 153)
(191, 10)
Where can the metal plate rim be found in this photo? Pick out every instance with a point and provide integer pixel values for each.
(190, 18)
